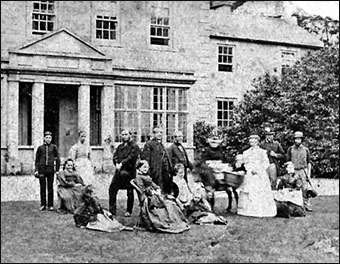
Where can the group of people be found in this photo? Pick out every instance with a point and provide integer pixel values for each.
(160, 177)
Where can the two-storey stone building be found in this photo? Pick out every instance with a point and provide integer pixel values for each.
(101, 66)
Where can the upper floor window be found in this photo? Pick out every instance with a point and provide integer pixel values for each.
(160, 27)
(43, 17)
(106, 27)
(225, 58)
(288, 59)
(225, 112)
(142, 108)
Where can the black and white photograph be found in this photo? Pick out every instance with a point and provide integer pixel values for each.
(170, 131)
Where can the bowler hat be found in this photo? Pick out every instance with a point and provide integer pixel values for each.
(298, 134)
(47, 133)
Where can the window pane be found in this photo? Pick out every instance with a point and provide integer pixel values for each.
(112, 34)
(159, 20)
(146, 98)
(50, 26)
(166, 21)
(35, 25)
(165, 32)
(159, 32)
(220, 49)
(42, 25)
(99, 34)
(106, 24)
(153, 31)
(105, 34)
(119, 97)
(119, 117)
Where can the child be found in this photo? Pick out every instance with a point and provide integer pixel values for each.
(199, 210)
(91, 215)
(289, 180)
(184, 194)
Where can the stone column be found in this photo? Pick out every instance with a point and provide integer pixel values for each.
(107, 127)
(37, 115)
(84, 109)
(13, 164)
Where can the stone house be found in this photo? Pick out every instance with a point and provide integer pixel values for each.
(101, 66)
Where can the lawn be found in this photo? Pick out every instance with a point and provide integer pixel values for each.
(28, 235)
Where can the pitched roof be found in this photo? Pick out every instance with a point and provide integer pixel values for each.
(262, 29)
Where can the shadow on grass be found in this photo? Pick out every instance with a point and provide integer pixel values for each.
(28, 235)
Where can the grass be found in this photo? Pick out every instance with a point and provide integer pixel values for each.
(28, 235)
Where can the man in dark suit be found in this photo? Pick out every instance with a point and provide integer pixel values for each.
(125, 159)
(178, 154)
(161, 168)
(275, 153)
(45, 157)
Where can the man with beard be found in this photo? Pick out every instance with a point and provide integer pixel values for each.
(125, 159)
(300, 156)
(161, 168)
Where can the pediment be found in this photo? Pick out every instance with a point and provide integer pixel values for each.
(62, 42)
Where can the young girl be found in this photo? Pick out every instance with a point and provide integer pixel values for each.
(184, 195)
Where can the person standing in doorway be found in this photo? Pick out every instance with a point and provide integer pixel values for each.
(81, 154)
(300, 156)
(275, 153)
(178, 154)
(125, 159)
(161, 168)
(47, 162)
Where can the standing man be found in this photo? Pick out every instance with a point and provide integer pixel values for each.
(45, 157)
(275, 153)
(124, 159)
(300, 156)
(161, 168)
(178, 154)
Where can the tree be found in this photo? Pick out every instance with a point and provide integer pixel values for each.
(306, 98)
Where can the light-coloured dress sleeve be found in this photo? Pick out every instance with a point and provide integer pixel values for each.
(73, 152)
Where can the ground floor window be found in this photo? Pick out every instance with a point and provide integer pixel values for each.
(225, 111)
(25, 114)
(140, 108)
(95, 115)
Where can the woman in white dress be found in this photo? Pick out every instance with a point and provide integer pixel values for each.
(81, 154)
(255, 198)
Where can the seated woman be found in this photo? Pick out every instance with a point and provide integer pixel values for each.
(159, 212)
(91, 215)
(70, 188)
(199, 211)
(184, 194)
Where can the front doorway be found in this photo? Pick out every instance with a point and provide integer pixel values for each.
(61, 116)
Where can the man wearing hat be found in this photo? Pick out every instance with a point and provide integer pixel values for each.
(275, 153)
(45, 157)
(300, 156)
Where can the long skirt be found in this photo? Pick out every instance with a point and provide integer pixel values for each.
(85, 170)
(69, 198)
(167, 218)
(255, 197)
(104, 223)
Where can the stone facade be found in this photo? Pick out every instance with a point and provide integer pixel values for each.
(72, 59)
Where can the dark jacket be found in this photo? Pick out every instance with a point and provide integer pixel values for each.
(161, 168)
(276, 147)
(127, 155)
(45, 157)
(177, 156)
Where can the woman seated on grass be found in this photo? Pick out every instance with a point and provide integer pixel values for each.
(159, 212)
(184, 194)
(199, 211)
(91, 215)
(70, 188)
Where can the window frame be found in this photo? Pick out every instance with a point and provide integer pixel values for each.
(40, 13)
(109, 20)
(96, 103)
(287, 63)
(227, 56)
(228, 111)
(154, 113)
